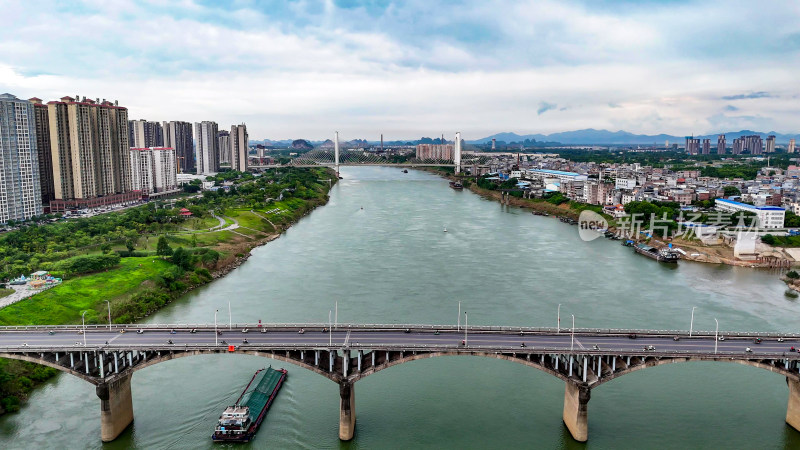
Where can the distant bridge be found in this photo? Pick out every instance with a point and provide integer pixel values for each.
(107, 356)
(361, 157)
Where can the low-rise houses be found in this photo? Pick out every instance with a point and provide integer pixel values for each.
(614, 185)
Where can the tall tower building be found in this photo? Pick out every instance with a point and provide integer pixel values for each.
(205, 138)
(224, 145)
(154, 169)
(239, 148)
(770, 144)
(692, 145)
(753, 144)
(178, 136)
(20, 191)
(706, 146)
(790, 149)
(43, 151)
(721, 144)
(89, 150)
(146, 134)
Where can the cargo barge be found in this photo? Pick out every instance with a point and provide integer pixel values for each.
(239, 423)
(456, 185)
(663, 255)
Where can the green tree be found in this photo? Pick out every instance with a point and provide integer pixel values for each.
(162, 247)
(791, 220)
(182, 258)
(731, 190)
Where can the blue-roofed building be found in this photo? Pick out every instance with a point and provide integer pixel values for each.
(561, 176)
(768, 216)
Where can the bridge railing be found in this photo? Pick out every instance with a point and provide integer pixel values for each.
(401, 327)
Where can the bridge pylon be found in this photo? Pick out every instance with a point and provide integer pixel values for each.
(347, 410)
(576, 414)
(116, 407)
(793, 409)
(336, 152)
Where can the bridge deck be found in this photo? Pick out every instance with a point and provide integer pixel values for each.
(33, 339)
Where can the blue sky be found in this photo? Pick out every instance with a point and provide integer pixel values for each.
(418, 67)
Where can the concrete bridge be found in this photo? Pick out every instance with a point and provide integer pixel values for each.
(107, 356)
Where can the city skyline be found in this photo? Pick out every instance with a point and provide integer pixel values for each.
(533, 67)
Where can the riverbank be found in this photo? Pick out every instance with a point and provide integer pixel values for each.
(696, 250)
(142, 284)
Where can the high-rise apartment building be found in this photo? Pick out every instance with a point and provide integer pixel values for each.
(43, 152)
(770, 144)
(178, 136)
(692, 145)
(738, 146)
(146, 134)
(753, 144)
(20, 191)
(224, 145)
(239, 148)
(790, 149)
(706, 146)
(154, 170)
(435, 151)
(89, 149)
(721, 144)
(205, 139)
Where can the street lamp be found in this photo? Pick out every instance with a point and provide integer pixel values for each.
(691, 324)
(230, 317)
(558, 326)
(458, 325)
(330, 330)
(83, 318)
(109, 315)
(216, 340)
(336, 314)
(466, 325)
(572, 345)
(716, 332)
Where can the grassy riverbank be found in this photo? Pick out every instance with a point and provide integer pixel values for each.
(164, 256)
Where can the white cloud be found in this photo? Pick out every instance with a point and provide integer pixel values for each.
(415, 68)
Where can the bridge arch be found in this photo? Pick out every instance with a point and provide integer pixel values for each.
(55, 365)
(534, 362)
(169, 356)
(793, 375)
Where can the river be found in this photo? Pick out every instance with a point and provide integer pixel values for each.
(391, 262)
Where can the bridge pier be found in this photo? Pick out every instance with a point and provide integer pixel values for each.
(576, 414)
(116, 407)
(793, 408)
(347, 410)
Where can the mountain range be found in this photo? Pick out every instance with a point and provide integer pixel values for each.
(590, 136)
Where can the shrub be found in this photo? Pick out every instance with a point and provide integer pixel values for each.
(792, 274)
(204, 273)
(133, 254)
(86, 264)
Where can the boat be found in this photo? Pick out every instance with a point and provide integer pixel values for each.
(239, 423)
(456, 185)
(405, 170)
(445, 229)
(661, 255)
